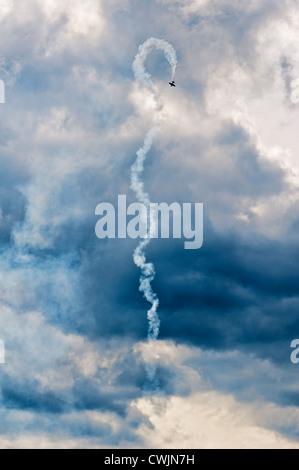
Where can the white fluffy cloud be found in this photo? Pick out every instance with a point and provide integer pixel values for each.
(204, 418)
(207, 420)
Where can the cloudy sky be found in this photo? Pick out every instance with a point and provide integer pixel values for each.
(72, 318)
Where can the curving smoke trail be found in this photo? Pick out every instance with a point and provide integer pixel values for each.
(147, 269)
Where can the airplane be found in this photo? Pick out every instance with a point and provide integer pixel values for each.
(172, 83)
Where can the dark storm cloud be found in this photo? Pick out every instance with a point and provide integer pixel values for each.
(72, 127)
(24, 397)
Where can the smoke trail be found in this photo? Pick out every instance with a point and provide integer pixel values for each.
(147, 269)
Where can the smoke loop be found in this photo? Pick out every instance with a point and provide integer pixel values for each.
(137, 185)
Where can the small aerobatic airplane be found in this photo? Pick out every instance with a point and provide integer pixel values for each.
(172, 83)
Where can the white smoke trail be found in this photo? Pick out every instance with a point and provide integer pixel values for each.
(147, 269)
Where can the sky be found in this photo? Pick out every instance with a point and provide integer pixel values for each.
(72, 318)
